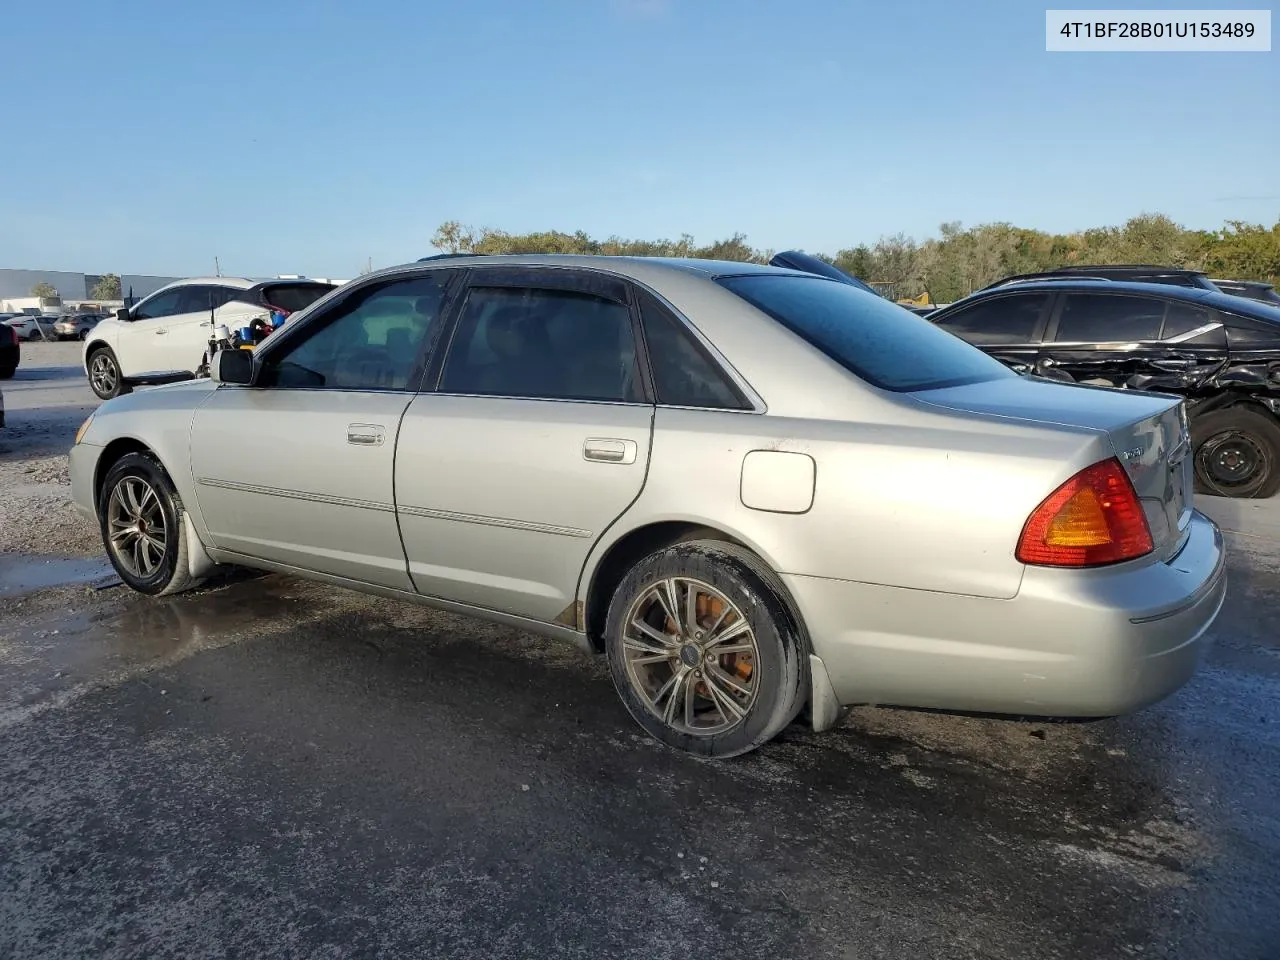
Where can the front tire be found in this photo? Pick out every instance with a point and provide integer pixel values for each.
(104, 374)
(703, 650)
(140, 517)
(1237, 453)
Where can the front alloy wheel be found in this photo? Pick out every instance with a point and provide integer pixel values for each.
(104, 374)
(136, 530)
(140, 515)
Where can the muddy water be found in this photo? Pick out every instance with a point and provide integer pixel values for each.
(24, 572)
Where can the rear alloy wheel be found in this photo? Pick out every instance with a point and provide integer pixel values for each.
(104, 374)
(703, 651)
(140, 516)
(1237, 453)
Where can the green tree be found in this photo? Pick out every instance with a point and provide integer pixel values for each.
(44, 290)
(107, 288)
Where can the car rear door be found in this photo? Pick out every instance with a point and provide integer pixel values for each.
(1008, 326)
(531, 437)
(1104, 339)
(298, 469)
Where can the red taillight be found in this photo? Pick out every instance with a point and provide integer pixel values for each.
(1095, 518)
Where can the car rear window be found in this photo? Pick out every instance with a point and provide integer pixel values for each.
(292, 297)
(885, 344)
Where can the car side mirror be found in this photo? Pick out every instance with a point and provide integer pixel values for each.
(232, 366)
(122, 314)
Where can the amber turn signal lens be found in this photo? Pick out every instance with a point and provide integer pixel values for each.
(1093, 519)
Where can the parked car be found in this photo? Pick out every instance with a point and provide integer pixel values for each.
(1253, 289)
(751, 488)
(32, 327)
(1220, 352)
(168, 332)
(1128, 272)
(76, 326)
(10, 351)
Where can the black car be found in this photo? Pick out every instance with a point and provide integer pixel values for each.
(1253, 289)
(10, 351)
(1220, 352)
(1126, 272)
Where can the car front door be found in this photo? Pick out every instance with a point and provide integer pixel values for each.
(1008, 326)
(298, 468)
(1104, 339)
(187, 333)
(140, 347)
(533, 438)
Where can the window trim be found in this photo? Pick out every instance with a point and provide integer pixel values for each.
(748, 402)
(537, 277)
(1039, 333)
(1051, 334)
(312, 323)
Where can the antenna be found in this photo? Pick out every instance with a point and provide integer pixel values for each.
(217, 267)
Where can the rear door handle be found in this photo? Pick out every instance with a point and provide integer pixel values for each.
(1173, 363)
(365, 434)
(609, 450)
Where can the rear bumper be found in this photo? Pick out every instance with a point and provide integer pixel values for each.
(1072, 643)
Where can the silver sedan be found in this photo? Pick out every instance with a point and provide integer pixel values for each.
(753, 490)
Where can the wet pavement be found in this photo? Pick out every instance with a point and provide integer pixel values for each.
(274, 768)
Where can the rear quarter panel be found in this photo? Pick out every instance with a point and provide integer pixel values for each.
(928, 501)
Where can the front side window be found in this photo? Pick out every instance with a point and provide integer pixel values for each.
(878, 341)
(369, 342)
(162, 304)
(999, 320)
(545, 344)
(1102, 318)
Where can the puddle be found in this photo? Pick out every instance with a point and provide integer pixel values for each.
(24, 572)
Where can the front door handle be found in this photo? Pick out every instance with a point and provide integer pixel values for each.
(608, 450)
(160, 331)
(365, 434)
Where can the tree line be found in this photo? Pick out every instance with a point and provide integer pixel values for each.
(951, 265)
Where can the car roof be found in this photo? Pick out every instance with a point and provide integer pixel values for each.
(636, 268)
(239, 282)
(1213, 298)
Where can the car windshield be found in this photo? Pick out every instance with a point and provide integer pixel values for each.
(879, 341)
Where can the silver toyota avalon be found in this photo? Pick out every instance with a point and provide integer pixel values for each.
(756, 491)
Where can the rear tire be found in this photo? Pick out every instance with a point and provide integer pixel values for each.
(722, 682)
(1237, 453)
(6, 373)
(141, 519)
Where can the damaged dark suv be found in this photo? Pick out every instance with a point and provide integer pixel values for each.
(1220, 352)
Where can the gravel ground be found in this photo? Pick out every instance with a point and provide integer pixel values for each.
(45, 403)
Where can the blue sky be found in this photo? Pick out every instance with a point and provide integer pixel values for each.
(148, 137)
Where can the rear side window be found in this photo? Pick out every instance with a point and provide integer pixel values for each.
(1188, 323)
(1098, 318)
(543, 344)
(882, 343)
(999, 320)
(683, 373)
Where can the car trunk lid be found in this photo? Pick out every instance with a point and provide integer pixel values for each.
(1149, 434)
